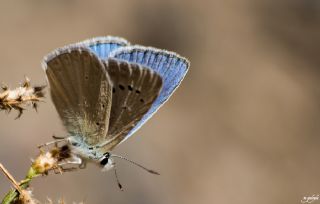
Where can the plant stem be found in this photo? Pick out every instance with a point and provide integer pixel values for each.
(13, 195)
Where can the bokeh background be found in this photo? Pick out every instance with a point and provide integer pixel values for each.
(242, 128)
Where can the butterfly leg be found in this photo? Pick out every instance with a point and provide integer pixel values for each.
(74, 161)
(83, 165)
(60, 169)
(52, 142)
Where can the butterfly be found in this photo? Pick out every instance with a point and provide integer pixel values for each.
(105, 89)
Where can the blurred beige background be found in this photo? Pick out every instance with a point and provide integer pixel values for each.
(242, 128)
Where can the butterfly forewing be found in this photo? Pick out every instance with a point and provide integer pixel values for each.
(135, 88)
(81, 92)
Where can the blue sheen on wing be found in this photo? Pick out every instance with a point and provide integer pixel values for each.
(103, 50)
(169, 65)
(103, 46)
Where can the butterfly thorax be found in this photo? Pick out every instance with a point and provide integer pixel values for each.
(87, 153)
(79, 147)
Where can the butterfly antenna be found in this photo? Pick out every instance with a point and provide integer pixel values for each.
(116, 174)
(132, 162)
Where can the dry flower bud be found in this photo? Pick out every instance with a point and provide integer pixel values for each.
(20, 97)
(45, 162)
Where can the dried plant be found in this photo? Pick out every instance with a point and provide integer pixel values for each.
(23, 195)
(46, 162)
(21, 97)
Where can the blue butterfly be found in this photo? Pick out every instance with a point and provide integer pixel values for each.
(105, 89)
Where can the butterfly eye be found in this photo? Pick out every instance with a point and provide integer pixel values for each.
(104, 161)
(130, 88)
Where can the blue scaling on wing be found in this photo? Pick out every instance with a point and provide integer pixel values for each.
(169, 65)
(103, 46)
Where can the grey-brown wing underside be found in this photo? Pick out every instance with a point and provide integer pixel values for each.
(134, 90)
(81, 92)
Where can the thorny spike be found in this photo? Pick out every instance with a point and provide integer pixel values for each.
(19, 98)
(4, 87)
(20, 112)
(35, 106)
(38, 91)
(8, 109)
(4, 95)
(26, 82)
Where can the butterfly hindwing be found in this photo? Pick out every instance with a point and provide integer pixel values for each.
(81, 92)
(170, 66)
(135, 88)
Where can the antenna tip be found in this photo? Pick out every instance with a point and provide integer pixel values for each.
(120, 186)
(153, 172)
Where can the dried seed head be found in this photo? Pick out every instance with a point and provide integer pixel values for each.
(51, 159)
(45, 162)
(20, 97)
